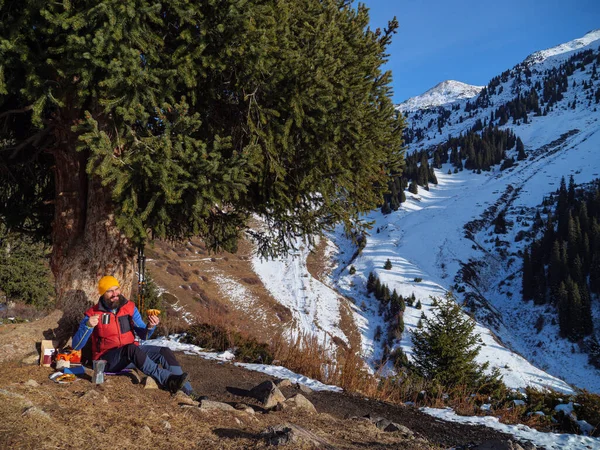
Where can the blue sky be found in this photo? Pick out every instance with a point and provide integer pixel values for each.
(473, 40)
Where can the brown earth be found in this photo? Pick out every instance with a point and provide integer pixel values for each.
(38, 413)
(19, 341)
(228, 383)
(202, 283)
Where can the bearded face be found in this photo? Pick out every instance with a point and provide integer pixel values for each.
(111, 297)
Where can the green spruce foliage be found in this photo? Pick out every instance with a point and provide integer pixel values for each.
(521, 155)
(446, 346)
(391, 306)
(152, 297)
(194, 115)
(387, 265)
(563, 266)
(24, 272)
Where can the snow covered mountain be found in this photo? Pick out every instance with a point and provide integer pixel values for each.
(441, 94)
(443, 237)
(575, 44)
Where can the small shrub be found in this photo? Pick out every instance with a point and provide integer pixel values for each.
(152, 298)
(388, 265)
(418, 280)
(542, 400)
(361, 240)
(587, 407)
(399, 359)
(352, 270)
(246, 349)
(539, 323)
(24, 272)
(209, 337)
(252, 351)
(20, 312)
(418, 305)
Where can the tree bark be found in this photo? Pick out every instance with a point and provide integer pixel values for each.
(86, 242)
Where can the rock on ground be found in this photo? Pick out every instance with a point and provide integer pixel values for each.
(299, 401)
(293, 434)
(268, 394)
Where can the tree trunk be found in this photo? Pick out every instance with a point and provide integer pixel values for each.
(86, 242)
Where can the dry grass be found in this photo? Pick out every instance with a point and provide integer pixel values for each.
(81, 415)
(190, 275)
(21, 312)
(347, 370)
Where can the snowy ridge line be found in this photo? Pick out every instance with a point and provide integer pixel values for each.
(575, 44)
(426, 238)
(505, 92)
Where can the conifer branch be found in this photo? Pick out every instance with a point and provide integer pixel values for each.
(16, 111)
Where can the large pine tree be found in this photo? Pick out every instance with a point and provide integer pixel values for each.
(127, 120)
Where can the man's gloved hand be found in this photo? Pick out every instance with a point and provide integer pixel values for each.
(93, 321)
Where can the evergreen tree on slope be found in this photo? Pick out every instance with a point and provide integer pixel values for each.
(444, 349)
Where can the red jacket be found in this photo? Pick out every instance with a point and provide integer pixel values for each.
(118, 332)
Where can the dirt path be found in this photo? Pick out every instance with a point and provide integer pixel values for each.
(227, 383)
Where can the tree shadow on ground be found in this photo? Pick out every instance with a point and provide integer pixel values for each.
(245, 393)
(232, 433)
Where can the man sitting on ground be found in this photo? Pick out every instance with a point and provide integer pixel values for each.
(111, 323)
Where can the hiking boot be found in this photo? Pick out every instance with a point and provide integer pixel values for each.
(176, 382)
(197, 397)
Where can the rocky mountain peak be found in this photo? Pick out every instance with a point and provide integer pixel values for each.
(441, 94)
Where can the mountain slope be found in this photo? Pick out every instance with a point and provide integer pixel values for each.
(445, 237)
(433, 241)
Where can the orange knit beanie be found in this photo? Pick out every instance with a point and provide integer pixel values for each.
(106, 283)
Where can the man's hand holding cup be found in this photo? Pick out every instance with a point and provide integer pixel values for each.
(93, 320)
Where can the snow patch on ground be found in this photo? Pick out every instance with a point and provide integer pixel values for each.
(236, 293)
(315, 306)
(187, 316)
(546, 440)
(173, 343)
